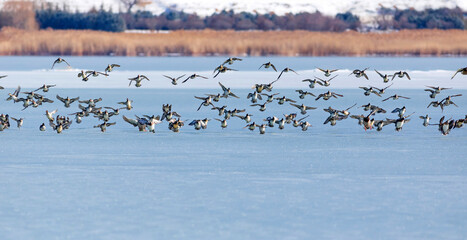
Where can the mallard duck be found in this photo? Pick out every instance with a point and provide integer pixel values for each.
(103, 126)
(325, 83)
(50, 114)
(400, 111)
(111, 67)
(206, 102)
(286, 70)
(435, 90)
(302, 108)
(19, 122)
(193, 76)
(246, 118)
(262, 107)
(91, 102)
(312, 82)
(223, 122)
(463, 71)
(400, 74)
(369, 90)
(251, 126)
(127, 104)
(14, 96)
(448, 100)
(360, 73)
(327, 95)
(220, 109)
(45, 88)
(174, 80)
(282, 100)
(385, 77)
(436, 104)
(67, 101)
(227, 92)
(231, 60)
(95, 73)
(395, 97)
(382, 90)
(222, 69)
(60, 60)
(138, 79)
(304, 93)
(426, 120)
(327, 72)
(269, 96)
(399, 123)
(267, 65)
(254, 97)
(271, 120)
(84, 77)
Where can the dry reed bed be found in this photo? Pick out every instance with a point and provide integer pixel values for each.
(208, 42)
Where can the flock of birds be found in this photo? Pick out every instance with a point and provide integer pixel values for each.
(88, 107)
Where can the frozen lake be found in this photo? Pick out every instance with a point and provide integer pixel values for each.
(330, 182)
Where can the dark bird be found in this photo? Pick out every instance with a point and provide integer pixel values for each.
(360, 73)
(60, 60)
(463, 71)
(395, 97)
(385, 77)
(193, 76)
(110, 67)
(286, 70)
(267, 65)
(222, 69)
(400, 74)
(231, 60)
(327, 72)
(174, 80)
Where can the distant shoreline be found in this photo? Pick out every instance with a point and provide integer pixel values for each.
(14, 42)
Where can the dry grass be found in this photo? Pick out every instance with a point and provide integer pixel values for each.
(208, 42)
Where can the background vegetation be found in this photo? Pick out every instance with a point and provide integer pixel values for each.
(25, 15)
(234, 43)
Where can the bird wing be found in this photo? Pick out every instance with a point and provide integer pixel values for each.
(280, 75)
(273, 67)
(223, 87)
(60, 98)
(459, 70)
(366, 76)
(130, 121)
(406, 74)
(381, 75)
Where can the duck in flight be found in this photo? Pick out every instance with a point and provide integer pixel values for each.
(400, 74)
(286, 70)
(268, 65)
(193, 76)
(138, 79)
(327, 72)
(60, 60)
(462, 71)
(174, 80)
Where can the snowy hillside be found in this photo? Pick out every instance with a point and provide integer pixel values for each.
(363, 8)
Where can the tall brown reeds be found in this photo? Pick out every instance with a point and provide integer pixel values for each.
(256, 43)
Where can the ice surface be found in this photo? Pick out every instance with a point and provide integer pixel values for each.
(327, 183)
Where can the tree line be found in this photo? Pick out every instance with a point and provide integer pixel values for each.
(105, 20)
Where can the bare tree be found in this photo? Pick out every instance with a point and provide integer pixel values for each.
(129, 4)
